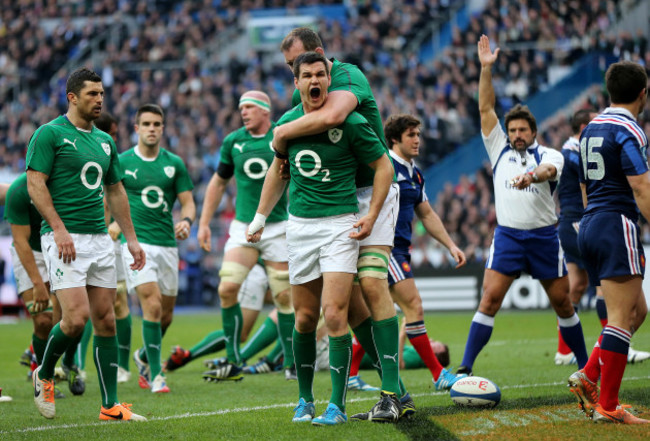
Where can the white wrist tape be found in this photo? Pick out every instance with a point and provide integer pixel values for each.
(257, 223)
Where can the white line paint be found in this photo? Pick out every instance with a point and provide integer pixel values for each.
(271, 406)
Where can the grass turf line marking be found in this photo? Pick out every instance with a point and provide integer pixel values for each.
(270, 406)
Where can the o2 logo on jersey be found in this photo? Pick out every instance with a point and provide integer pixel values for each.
(158, 198)
(255, 168)
(91, 171)
(316, 162)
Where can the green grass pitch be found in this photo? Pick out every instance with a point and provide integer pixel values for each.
(536, 403)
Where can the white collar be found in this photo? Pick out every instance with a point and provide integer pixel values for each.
(139, 154)
(409, 165)
(620, 111)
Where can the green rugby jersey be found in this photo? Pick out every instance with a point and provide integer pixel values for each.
(323, 166)
(251, 157)
(346, 76)
(19, 210)
(77, 162)
(152, 186)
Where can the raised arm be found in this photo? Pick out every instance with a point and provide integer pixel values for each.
(42, 199)
(383, 168)
(213, 194)
(436, 229)
(338, 106)
(486, 98)
(272, 191)
(118, 203)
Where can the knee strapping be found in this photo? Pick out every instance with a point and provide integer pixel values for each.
(121, 287)
(373, 262)
(279, 283)
(233, 272)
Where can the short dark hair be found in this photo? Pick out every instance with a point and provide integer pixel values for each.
(105, 121)
(582, 116)
(625, 80)
(521, 112)
(149, 108)
(396, 125)
(443, 357)
(76, 80)
(309, 58)
(310, 39)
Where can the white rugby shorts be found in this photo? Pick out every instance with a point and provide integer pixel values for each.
(23, 281)
(383, 232)
(272, 246)
(253, 290)
(161, 267)
(321, 245)
(94, 264)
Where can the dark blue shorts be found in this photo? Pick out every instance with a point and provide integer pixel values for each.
(610, 246)
(568, 232)
(536, 252)
(399, 267)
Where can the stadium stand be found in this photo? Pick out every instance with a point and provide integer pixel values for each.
(168, 52)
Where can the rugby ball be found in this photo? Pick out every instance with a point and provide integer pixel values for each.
(475, 392)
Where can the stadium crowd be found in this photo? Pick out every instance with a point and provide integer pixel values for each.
(201, 103)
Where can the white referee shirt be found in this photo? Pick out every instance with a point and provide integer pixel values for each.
(532, 207)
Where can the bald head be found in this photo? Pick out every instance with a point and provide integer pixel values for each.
(256, 98)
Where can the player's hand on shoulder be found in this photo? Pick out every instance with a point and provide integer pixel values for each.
(114, 230)
(139, 257)
(458, 256)
(65, 245)
(205, 238)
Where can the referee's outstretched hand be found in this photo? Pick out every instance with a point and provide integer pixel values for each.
(485, 54)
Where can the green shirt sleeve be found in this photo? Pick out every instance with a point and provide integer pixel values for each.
(225, 153)
(41, 151)
(366, 147)
(351, 80)
(183, 181)
(295, 98)
(17, 203)
(115, 173)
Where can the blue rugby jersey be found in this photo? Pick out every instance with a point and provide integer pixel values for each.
(612, 147)
(568, 190)
(411, 194)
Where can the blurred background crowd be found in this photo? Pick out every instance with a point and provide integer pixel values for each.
(180, 55)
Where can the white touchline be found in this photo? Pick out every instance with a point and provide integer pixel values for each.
(271, 406)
